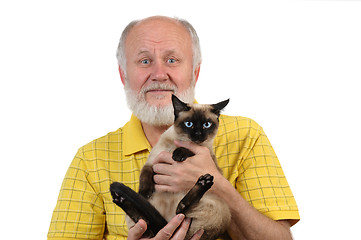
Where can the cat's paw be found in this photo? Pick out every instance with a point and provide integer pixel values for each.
(147, 192)
(181, 208)
(181, 154)
(118, 195)
(205, 181)
(119, 200)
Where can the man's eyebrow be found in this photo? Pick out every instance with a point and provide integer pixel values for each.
(141, 52)
(165, 53)
(170, 52)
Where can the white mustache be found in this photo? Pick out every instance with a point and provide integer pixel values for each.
(159, 86)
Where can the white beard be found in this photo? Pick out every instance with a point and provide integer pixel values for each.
(155, 115)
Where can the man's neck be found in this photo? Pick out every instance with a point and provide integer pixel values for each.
(153, 133)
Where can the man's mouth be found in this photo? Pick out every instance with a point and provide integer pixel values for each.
(160, 91)
(160, 88)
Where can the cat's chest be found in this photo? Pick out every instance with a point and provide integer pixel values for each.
(161, 148)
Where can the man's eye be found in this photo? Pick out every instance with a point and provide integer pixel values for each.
(172, 60)
(145, 61)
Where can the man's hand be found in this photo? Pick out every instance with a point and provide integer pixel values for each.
(170, 231)
(176, 176)
(181, 176)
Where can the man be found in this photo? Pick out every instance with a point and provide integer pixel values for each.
(159, 56)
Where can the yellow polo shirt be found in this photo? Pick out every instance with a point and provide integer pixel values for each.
(85, 209)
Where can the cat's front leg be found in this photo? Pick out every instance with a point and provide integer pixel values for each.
(180, 154)
(146, 182)
(204, 183)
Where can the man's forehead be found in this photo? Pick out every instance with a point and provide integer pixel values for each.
(145, 36)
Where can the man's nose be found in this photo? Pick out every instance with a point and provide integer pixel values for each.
(159, 72)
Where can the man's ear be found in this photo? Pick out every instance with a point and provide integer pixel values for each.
(122, 75)
(196, 72)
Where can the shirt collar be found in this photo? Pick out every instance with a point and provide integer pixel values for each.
(134, 138)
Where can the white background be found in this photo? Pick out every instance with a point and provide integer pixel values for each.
(293, 66)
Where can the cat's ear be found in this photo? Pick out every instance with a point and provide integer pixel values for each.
(217, 108)
(178, 106)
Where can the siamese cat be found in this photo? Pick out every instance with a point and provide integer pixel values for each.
(197, 123)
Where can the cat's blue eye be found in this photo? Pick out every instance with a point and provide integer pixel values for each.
(207, 125)
(188, 124)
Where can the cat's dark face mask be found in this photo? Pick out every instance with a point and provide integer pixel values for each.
(198, 127)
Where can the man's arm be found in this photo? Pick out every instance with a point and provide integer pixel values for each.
(247, 222)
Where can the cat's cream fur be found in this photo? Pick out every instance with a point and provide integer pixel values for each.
(211, 213)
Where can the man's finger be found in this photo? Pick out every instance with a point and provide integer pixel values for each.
(198, 235)
(137, 230)
(162, 168)
(159, 178)
(163, 157)
(182, 230)
(167, 232)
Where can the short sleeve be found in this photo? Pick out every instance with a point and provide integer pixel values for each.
(79, 212)
(262, 181)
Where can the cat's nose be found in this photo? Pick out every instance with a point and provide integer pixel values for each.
(197, 137)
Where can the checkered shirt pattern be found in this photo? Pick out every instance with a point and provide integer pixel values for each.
(85, 209)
